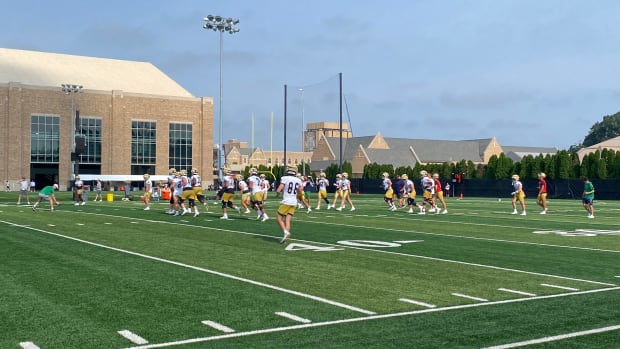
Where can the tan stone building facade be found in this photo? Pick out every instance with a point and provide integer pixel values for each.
(126, 133)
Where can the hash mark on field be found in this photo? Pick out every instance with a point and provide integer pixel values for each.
(422, 304)
(555, 338)
(517, 292)
(470, 297)
(293, 317)
(132, 337)
(79, 223)
(28, 345)
(107, 223)
(218, 327)
(51, 225)
(560, 287)
(368, 318)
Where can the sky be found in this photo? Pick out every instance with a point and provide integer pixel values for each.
(528, 72)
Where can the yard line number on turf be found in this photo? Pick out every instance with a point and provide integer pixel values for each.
(351, 243)
(579, 232)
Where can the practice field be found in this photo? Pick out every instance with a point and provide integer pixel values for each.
(111, 275)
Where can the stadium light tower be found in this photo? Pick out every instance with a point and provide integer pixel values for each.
(72, 89)
(228, 25)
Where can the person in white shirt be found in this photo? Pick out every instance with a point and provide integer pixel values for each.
(345, 189)
(246, 195)
(289, 185)
(23, 191)
(322, 183)
(79, 190)
(228, 194)
(257, 193)
(148, 191)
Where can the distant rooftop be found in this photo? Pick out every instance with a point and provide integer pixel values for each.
(53, 69)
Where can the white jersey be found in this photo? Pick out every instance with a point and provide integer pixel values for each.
(229, 183)
(387, 183)
(243, 187)
(345, 184)
(255, 186)
(408, 186)
(178, 186)
(196, 180)
(428, 184)
(148, 186)
(323, 183)
(23, 185)
(265, 185)
(292, 185)
(338, 183)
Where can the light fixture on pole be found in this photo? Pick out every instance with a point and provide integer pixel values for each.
(229, 25)
(72, 89)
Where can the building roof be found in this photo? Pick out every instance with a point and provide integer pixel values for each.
(517, 153)
(53, 69)
(399, 151)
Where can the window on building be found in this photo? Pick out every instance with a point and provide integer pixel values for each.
(180, 146)
(90, 128)
(44, 139)
(143, 147)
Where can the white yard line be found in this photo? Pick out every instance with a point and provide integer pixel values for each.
(516, 292)
(229, 276)
(365, 318)
(218, 326)
(293, 317)
(560, 287)
(132, 337)
(467, 237)
(367, 249)
(422, 304)
(555, 338)
(28, 345)
(470, 297)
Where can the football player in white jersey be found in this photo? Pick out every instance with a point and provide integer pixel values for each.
(245, 194)
(265, 185)
(177, 185)
(228, 194)
(388, 197)
(338, 191)
(428, 185)
(255, 184)
(79, 189)
(148, 191)
(196, 181)
(322, 184)
(410, 193)
(289, 185)
(172, 174)
(345, 187)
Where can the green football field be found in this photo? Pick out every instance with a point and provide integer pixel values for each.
(111, 275)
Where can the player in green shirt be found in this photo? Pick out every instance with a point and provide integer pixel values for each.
(587, 198)
(47, 193)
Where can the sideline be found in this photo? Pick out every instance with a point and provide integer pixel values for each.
(555, 338)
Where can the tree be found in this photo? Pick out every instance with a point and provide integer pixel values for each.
(603, 130)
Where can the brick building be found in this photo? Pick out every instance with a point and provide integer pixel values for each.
(133, 118)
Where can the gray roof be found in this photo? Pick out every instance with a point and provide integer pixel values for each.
(53, 69)
(516, 153)
(399, 154)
